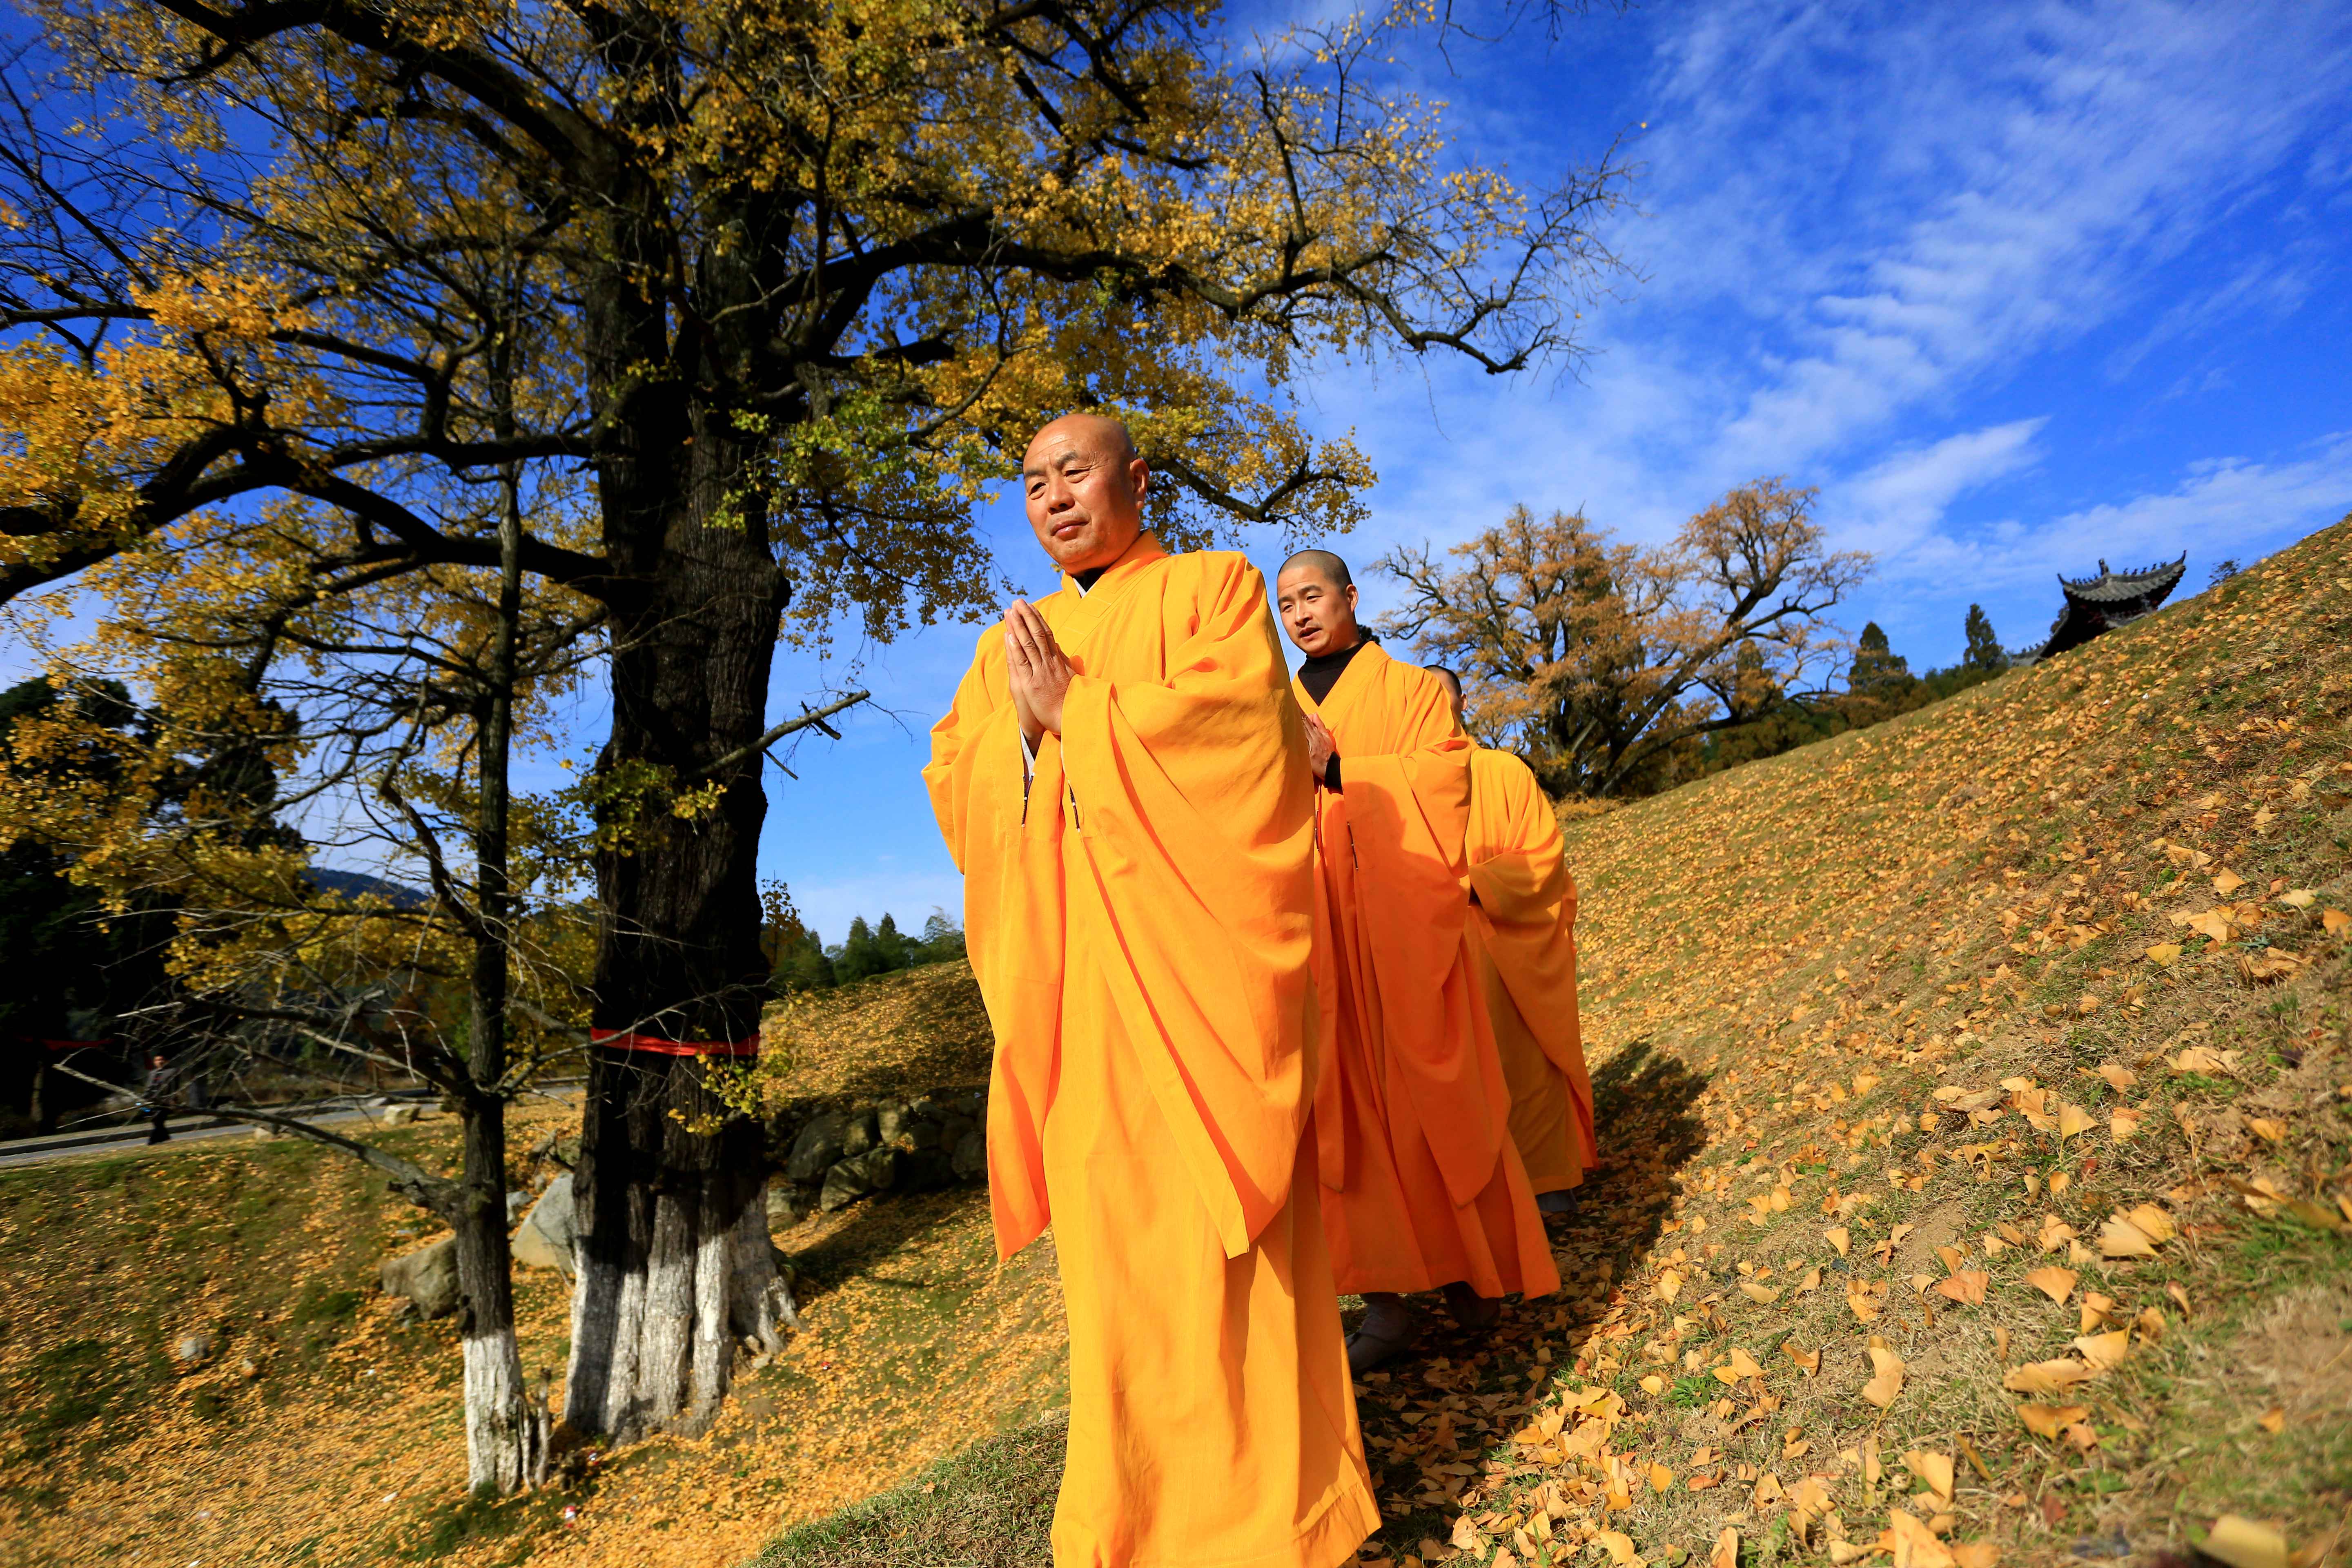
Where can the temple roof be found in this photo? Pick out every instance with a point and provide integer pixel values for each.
(2111, 586)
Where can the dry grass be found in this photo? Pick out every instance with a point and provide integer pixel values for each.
(1789, 969)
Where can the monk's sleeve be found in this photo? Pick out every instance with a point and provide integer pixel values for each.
(1527, 909)
(1522, 878)
(1411, 809)
(1192, 801)
(1014, 922)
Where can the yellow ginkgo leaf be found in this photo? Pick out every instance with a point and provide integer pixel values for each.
(2119, 1077)
(2123, 1122)
(1934, 1468)
(2054, 1282)
(1883, 1389)
(2163, 955)
(2049, 1420)
(2073, 1120)
(2104, 1353)
(1838, 1237)
(1967, 1287)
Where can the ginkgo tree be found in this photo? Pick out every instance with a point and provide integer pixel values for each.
(792, 284)
(1597, 659)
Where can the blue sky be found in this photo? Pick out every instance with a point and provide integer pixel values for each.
(2016, 285)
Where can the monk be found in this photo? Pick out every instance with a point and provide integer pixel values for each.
(1123, 781)
(1523, 945)
(1424, 1188)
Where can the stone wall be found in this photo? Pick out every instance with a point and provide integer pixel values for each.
(831, 1156)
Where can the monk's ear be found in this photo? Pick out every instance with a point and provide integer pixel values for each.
(1139, 477)
(1350, 592)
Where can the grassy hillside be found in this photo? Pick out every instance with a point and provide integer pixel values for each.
(2004, 1043)
(342, 1443)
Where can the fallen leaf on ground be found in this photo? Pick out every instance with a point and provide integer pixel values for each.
(1808, 1362)
(2163, 955)
(2119, 1077)
(2073, 1120)
(2274, 1419)
(1727, 1549)
(1837, 1236)
(1670, 1284)
(1912, 1544)
(2123, 1122)
(2268, 1128)
(2049, 1420)
(1882, 1389)
(2105, 1351)
(1968, 1286)
(2119, 1238)
(1762, 1295)
(1934, 1468)
(2053, 1281)
(2243, 1543)
(2045, 1377)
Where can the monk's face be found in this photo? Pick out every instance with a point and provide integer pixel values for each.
(1085, 488)
(1318, 614)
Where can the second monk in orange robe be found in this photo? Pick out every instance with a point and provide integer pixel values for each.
(1424, 1187)
(1523, 941)
(1123, 782)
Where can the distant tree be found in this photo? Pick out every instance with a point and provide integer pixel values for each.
(803, 966)
(891, 946)
(1984, 650)
(942, 938)
(859, 956)
(1601, 663)
(1876, 668)
(2224, 571)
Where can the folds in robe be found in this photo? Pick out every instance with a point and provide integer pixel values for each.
(1164, 842)
(1413, 1114)
(1522, 927)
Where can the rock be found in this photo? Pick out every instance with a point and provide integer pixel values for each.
(546, 1236)
(426, 1277)
(191, 1348)
(401, 1115)
(952, 1130)
(249, 1369)
(516, 1203)
(971, 1162)
(786, 1204)
(890, 1123)
(926, 1171)
(861, 1176)
(862, 1134)
(920, 1132)
(818, 1147)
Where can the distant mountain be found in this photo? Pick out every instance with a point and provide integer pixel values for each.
(352, 884)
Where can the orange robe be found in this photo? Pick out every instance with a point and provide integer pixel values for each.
(1141, 917)
(1523, 941)
(1413, 1114)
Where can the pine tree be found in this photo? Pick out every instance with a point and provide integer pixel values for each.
(1875, 665)
(1984, 649)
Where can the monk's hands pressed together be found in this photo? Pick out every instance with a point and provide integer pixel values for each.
(1039, 674)
(1320, 747)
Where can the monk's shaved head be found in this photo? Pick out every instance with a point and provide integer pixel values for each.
(1098, 432)
(1334, 570)
(1452, 686)
(1316, 601)
(1084, 484)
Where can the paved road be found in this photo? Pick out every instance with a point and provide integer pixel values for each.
(191, 1129)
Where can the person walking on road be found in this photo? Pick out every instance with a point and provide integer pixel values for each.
(160, 1074)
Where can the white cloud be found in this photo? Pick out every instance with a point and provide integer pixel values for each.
(1892, 505)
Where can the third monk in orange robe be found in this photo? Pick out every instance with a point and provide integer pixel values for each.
(1523, 939)
(1424, 1187)
(1123, 782)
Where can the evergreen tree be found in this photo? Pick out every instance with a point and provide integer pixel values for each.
(891, 946)
(942, 938)
(859, 956)
(1876, 666)
(1984, 649)
(804, 966)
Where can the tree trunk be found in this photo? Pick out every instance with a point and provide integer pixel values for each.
(675, 1270)
(506, 1426)
(506, 1429)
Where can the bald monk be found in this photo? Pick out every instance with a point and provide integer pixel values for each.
(1423, 1189)
(1123, 782)
(1523, 945)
